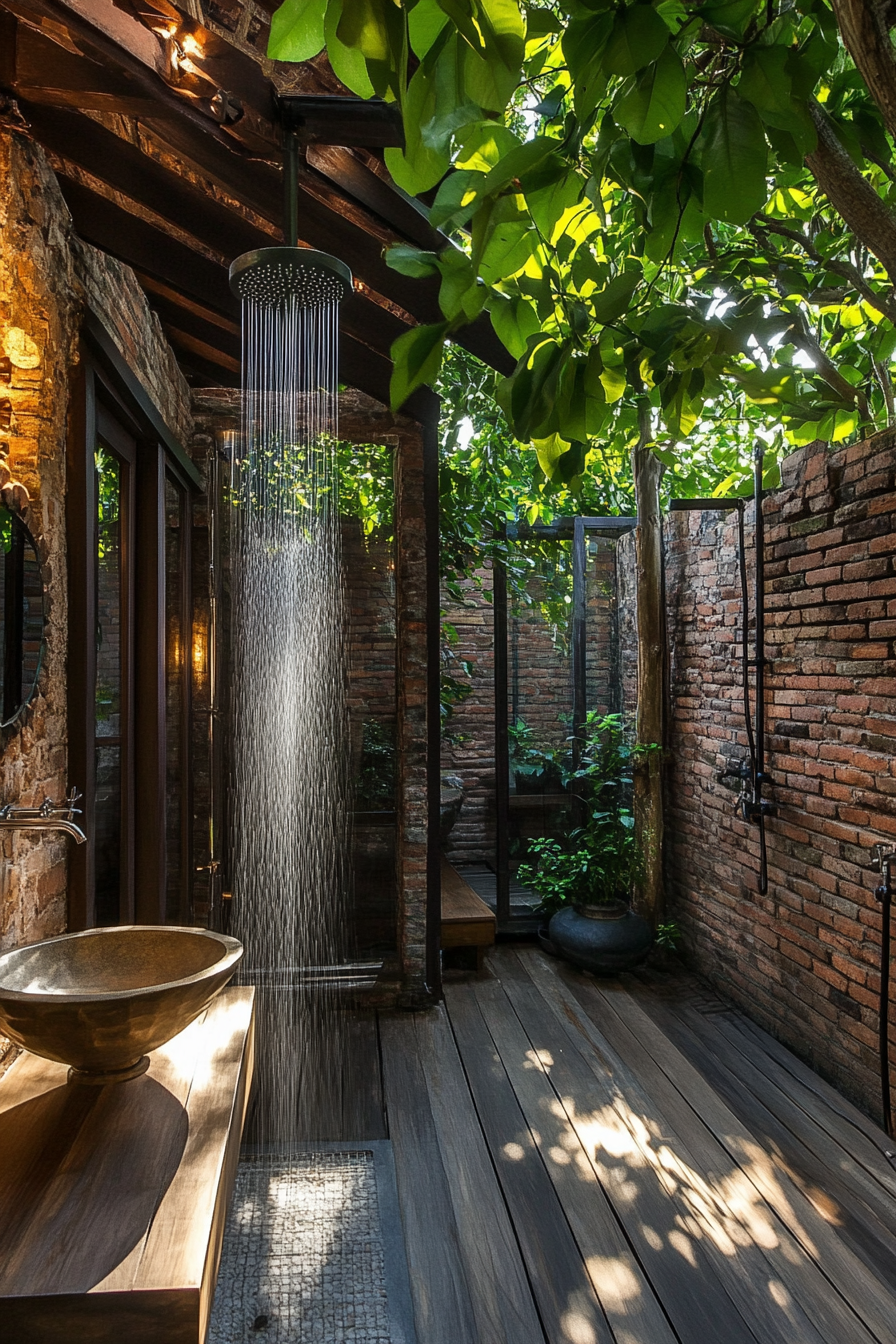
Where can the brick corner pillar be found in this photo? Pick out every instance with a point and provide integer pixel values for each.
(417, 693)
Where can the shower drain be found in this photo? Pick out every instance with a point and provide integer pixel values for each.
(313, 1252)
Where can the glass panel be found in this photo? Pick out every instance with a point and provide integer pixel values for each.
(540, 693)
(177, 894)
(366, 506)
(109, 616)
(602, 692)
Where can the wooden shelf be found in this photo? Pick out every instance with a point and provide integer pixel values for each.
(113, 1199)
(466, 919)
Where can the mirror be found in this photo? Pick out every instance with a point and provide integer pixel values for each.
(21, 615)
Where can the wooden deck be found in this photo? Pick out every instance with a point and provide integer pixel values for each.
(582, 1162)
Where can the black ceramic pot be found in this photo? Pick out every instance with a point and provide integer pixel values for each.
(601, 938)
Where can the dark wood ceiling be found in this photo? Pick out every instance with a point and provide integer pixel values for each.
(162, 126)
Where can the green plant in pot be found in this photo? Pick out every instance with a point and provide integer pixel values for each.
(585, 880)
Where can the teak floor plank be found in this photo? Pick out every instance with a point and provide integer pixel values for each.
(443, 1311)
(861, 1144)
(569, 1309)
(724, 1201)
(857, 1285)
(841, 1189)
(499, 1289)
(363, 1107)
(626, 1296)
(707, 1290)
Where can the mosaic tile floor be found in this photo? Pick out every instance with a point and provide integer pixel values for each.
(304, 1255)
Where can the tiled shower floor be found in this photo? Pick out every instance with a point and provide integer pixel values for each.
(306, 1256)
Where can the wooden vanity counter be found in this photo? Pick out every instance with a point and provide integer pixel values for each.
(113, 1199)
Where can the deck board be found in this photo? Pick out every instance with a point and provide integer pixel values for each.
(629, 1162)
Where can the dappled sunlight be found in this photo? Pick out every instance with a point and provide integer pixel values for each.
(577, 1327)
(514, 1151)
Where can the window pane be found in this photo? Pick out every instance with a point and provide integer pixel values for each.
(107, 819)
(175, 703)
(108, 597)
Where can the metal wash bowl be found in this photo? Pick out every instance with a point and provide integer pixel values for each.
(99, 1001)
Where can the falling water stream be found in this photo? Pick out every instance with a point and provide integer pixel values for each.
(289, 759)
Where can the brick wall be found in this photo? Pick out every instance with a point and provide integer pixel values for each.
(804, 959)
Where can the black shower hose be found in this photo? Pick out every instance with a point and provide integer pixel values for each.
(885, 896)
(745, 681)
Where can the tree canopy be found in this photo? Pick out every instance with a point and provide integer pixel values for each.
(679, 216)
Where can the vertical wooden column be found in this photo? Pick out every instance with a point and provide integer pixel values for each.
(648, 781)
(417, 671)
(502, 754)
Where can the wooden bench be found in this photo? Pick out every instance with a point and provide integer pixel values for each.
(113, 1199)
(466, 919)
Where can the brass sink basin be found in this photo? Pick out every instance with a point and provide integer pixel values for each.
(100, 1000)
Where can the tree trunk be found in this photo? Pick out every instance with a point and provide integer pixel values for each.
(871, 219)
(865, 28)
(648, 781)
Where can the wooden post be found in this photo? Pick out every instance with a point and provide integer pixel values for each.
(648, 780)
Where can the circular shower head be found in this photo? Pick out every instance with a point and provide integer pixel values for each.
(270, 276)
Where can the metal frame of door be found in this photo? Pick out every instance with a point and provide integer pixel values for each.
(577, 530)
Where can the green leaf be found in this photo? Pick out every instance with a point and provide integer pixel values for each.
(483, 144)
(559, 459)
(417, 358)
(297, 30)
(348, 63)
(540, 22)
(460, 295)
(514, 321)
(615, 298)
(638, 37)
(511, 241)
(408, 260)
(652, 107)
(456, 199)
(735, 159)
(376, 29)
(731, 18)
(766, 82)
(425, 22)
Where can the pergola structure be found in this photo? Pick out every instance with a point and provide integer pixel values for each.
(164, 125)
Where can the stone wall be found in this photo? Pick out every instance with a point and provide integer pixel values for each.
(48, 279)
(803, 959)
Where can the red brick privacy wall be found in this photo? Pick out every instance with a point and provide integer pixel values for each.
(804, 959)
(543, 687)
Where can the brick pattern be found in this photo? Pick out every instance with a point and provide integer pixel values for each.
(803, 960)
(539, 687)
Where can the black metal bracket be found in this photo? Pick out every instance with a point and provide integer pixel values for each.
(328, 119)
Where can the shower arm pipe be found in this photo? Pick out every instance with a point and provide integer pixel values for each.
(290, 188)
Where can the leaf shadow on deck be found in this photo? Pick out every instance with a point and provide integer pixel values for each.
(634, 1200)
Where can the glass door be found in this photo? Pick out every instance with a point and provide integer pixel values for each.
(113, 699)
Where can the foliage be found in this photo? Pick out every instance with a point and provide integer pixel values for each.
(649, 199)
(375, 785)
(530, 759)
(601, 859)
(667, 936)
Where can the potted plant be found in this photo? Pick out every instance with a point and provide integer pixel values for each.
(585, 881)
(535, 769)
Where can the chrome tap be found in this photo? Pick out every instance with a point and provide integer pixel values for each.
(48, 817)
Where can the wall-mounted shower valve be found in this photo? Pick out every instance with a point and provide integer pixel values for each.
(740, 771)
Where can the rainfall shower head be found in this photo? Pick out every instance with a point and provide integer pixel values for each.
(270, 276)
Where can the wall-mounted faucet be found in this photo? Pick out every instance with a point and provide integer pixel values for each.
(48, 817)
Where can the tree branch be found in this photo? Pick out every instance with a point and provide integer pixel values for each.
(854, 198)
(864, 26)
(883, 303)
